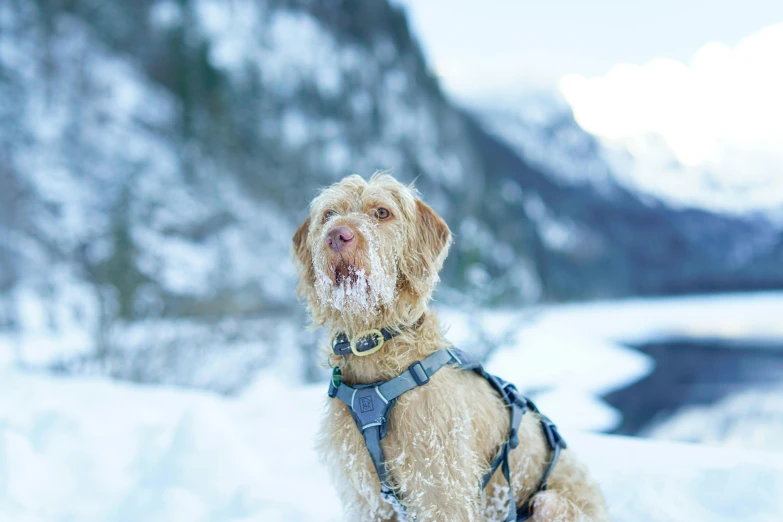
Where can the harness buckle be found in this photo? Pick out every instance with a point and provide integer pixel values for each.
(418, 373)
(367, 339)
(341, 344)
(511, 390)
(553, 437)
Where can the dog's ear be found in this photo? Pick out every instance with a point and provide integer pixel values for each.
(433, 232)
(300, 250)
(426, 251)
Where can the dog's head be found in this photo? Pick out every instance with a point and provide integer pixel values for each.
(369, 253)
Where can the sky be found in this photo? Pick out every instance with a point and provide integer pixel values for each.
(697, 82)
(484, 47)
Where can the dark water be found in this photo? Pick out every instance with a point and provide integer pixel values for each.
(695, 373)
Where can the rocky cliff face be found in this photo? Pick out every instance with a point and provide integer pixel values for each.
(156, 156)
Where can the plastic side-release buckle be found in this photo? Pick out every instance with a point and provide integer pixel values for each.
(418, 373)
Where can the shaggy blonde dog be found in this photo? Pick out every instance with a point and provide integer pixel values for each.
(368, 257)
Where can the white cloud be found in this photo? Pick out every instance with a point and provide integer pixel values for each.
(722, 114)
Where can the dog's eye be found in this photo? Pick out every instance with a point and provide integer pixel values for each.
(328, 215)
(382, 213)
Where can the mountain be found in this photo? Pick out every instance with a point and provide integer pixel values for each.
(157, 155)
(603, 237)
(743, 181)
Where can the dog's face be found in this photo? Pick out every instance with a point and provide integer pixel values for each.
(369, 249)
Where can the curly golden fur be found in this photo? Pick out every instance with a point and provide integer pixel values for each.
(442, 436)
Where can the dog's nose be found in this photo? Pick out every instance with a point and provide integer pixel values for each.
(338, 237)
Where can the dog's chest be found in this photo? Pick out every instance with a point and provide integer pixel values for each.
(428, 428)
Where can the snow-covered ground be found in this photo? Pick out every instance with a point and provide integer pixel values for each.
(97, 450)
(749, 419)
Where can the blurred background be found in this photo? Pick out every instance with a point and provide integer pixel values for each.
(612, 173)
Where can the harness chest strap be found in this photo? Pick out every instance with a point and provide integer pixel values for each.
(370, 405)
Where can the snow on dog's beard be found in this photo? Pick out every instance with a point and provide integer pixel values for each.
(356, 287)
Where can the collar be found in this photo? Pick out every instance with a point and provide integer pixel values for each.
(367, 342)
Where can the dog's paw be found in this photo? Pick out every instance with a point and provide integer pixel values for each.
(549, 506)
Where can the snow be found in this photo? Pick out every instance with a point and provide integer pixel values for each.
(683, 482)
(360, 292)
(53, 328)
(729, 316)
(291, 50)
(540, 127)
(571, 367)
(751, 419)
(99, 450)
(102, 451)
(580, 351)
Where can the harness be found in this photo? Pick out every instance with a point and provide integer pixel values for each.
(370, 405)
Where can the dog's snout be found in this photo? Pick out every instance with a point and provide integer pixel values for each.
(338, 237)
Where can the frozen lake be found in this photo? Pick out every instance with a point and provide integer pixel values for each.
(695, 373)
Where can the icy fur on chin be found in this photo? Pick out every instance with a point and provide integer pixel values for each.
(360, 293)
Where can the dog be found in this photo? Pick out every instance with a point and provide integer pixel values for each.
(368, 256)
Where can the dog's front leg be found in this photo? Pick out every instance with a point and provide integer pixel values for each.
(342, 449)
(434, 462)
(363, 505)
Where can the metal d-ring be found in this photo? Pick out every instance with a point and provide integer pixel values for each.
(337, 377)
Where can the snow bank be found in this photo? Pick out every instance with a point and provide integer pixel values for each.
(96, 450)
(566, 369)
(728, 316)
(673, 482)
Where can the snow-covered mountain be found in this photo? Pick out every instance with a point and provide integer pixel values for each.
(542, 127)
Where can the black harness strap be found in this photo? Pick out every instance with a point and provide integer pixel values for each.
(370, 405)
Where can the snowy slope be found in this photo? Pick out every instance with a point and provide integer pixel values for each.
(541, 128)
